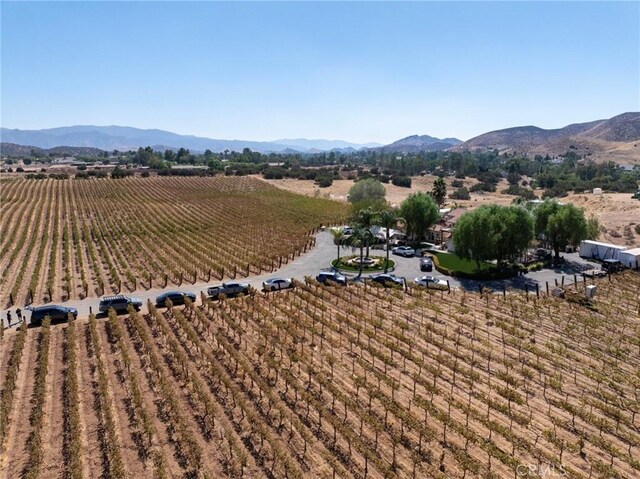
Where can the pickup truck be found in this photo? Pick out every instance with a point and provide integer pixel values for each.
(228, 289)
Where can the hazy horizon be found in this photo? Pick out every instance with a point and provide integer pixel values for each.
(356, 72)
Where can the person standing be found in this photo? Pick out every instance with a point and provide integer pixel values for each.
(19, 314)
(9, 318)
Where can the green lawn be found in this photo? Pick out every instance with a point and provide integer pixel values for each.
(455, 263)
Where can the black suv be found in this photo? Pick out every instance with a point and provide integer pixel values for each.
(387, 280)
(55, 312)
(426, 264)
(331, 277)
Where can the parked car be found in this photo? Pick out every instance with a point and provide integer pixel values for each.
(331, 277)
(426, 264)
(228, 289)
(387, 280)
(431, 282)
(54, 311)
(276, 284)
(347, 230)
(406, 251)
(176, 297)
(119, 303)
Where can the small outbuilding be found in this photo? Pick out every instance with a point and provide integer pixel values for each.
(599, 250)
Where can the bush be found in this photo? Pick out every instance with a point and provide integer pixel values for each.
(82, 167)
(460, 194)
(457, 183)
(482, 186)
(384, 178)
(273, 173)
(324, 181)
(519, 191)
(19, 169)
(145, 174)
(81, 175)
(637, 228)
(120, 173)
(401, 181)
(554, 192)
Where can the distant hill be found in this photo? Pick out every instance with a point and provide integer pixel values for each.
(126, 138)
(598, 138)
(11, 149)
(302, 144)
(417, 143)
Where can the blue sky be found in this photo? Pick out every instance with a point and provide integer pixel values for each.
(355, 71)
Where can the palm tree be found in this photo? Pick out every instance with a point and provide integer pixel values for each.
(439, 191)
(387, 219)
(338, 238)
(360, 238)
(365, 219)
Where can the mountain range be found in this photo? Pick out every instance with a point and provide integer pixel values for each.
(615, 139)
(124, 138)
(417, 143)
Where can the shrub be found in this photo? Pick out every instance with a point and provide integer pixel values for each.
(515, 190)
(401, 181)
(457, 183)
(145, 174)
(273, 173)
(324, 180)
(120, 173)
(637, 228)
(460, 194)
(482, 186)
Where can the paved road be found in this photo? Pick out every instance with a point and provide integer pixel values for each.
(319, 258)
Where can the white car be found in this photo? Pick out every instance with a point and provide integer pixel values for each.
(276, 284)
(406, 251)
(431, 282)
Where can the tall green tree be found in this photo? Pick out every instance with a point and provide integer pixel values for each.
(471, 237)
(369, 191)
(419, 211)
(562, 225)
(387, 219)
(439, 191)
(493, 232)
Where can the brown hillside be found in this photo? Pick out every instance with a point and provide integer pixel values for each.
(597, 139)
